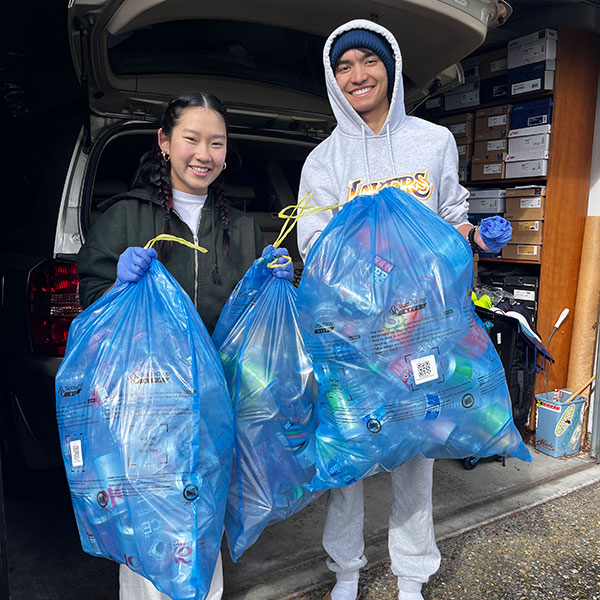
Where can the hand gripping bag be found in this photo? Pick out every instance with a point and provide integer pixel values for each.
(146, 427)
(404, 365)
(274, 395)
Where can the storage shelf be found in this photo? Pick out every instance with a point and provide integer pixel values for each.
(510, 100)
(507, 182)
(509, 260)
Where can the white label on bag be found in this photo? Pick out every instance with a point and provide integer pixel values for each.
(492, 169)
(76, 454)
(497, 120)
(424, 369)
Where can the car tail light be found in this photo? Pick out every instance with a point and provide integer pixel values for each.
(53, 304)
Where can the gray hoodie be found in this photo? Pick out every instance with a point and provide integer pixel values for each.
(409, 153)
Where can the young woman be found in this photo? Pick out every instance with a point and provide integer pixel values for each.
(178, 190)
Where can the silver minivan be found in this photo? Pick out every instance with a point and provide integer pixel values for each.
(264, 60)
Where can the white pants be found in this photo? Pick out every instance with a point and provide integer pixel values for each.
(135, 587)
(411, 539)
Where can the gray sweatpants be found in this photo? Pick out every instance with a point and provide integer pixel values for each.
(413, 551)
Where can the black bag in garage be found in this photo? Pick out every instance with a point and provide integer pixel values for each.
(522, 356)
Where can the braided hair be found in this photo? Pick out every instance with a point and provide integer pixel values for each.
(154, 170)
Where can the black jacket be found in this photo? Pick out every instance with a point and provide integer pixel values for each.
(135, 217)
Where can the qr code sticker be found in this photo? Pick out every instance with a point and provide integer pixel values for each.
(76, 454)
(424, 369)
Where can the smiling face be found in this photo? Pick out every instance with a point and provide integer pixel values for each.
(363, 79)
(198, 146)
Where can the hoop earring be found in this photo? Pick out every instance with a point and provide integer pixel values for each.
(166, 156)
(224, 166)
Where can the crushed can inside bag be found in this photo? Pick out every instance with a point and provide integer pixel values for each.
(403, 363)
(146, 428)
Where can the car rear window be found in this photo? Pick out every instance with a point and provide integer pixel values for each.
(244, 50)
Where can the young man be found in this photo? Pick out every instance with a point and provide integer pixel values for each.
(376, 145)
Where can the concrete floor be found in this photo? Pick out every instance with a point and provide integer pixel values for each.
(46, 561)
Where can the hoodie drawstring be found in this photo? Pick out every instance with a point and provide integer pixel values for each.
(388, 136)
(365, 154)
(389, 141)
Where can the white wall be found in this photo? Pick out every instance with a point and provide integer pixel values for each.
(594, 210)
(594, 201)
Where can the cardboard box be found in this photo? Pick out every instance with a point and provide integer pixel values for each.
(543, 34)
(487, 193)
(493, 64)
(434, 105)
(521, 191)
(483, 171)
(522, 287)
(461, 126)
(529, 114)
(464, 173)
(470, 68)
(527, 168)
(486, 146)
(529, 143)
(538, 129)
(492, 127)
(532, 252)
(496, 88)
(461, 100)
(465, 151)
(494, 111)
(486, 206)
(530, 78)
(532, 48)
(533, 154)
(524, 209)
(489, 157)
(527, 232)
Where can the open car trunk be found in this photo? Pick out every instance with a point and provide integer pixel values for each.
(262, 177)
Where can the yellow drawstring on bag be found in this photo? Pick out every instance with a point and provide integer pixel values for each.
(302, 209)
(167, 237)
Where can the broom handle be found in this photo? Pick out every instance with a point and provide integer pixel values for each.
(577, 392)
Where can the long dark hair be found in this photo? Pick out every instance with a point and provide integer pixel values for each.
(154, 171)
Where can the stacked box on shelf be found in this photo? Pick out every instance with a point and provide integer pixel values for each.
(528, 152)
(491, 127)
(532, 62)
(462, 128)
(514, 279)
(465, 95)
(525, 211)
(493, 73)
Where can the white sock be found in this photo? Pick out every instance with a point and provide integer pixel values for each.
(410, 596)
(346, 588)
(409, 589)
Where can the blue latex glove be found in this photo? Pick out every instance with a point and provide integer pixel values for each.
(133, 264)
(285, 271)
(495, 233)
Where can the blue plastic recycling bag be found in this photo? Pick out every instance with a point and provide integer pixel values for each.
(274, 395)
(404, 365)
(146, 429)
(243, 294)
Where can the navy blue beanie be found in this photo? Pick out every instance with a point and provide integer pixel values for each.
(363, 38)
